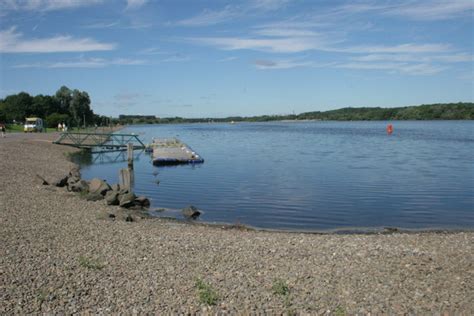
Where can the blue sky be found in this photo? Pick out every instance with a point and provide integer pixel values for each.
(220, 58)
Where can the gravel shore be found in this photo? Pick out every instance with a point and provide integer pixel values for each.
(61, 254)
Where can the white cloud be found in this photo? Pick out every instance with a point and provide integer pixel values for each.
(135, 4)
(211, 17)
(85, 63)
(274, 45)
(270, 4)
(416, 10)
(452, 58)
(101, 25)
(176, 58)
(152, 51)
(286, 32)
(226, 59)
(281, 64)
(13, 42)
(410, 69)
(45, 5)
(434, 10)
(230, 12)
(295, 44)
(402, 48)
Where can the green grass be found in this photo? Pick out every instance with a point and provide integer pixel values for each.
(279, 287)
(83, 194)
(90, 263)
(14, 128)
(18, 128)
(42, 295)
(339, 311)
(207, 295)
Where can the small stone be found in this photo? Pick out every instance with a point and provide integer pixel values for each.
(143, 201)
(75, 172)
(72, 180)
(123, 191)
(112, 197)
(79, 186)
(61, 182)
(127, 200)
(99, 186)
(42, 180)
(129, 218)
(94, 197)
(191, 212)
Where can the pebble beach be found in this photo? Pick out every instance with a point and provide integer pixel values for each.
(61, 254)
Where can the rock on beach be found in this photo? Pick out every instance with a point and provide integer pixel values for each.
(191, 212)
(99, 186)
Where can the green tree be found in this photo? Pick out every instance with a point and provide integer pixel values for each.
(44, 105)
(54, 119)
(18, 106)
(79, 107)
(64, 97)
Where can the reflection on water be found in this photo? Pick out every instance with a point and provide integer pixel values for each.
(311, 175)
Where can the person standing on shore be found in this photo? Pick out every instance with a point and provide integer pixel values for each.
(3, 130)
(60, 127)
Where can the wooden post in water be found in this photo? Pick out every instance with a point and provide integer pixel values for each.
(126, 178)
(130, 155)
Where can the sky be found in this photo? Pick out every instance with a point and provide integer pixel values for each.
(203, 58)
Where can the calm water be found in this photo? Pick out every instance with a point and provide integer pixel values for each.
(313, 175)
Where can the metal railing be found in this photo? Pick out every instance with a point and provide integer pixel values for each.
(106, 140)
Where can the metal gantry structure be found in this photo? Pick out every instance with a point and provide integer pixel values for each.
(110, 141)
(106, 157)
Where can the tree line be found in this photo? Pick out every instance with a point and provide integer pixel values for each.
(66, 106)
(440, 111)
(73, 108)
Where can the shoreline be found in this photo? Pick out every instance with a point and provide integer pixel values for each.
(383, 230)
(62, 254)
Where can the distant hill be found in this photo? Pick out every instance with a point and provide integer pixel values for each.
(440, 111)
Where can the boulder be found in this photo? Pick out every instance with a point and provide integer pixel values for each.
(127, 200)
(94, 197)
(112, 197)
(41, 180)
(61, 181)
(72, 180)
(123, 191)
(191, 212)
(99, 186)
(143, 201)
(74, 172)
(115, 187)
(80, 186)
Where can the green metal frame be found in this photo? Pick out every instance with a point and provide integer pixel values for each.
(108, 140)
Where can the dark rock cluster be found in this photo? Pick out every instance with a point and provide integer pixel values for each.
(98, 189)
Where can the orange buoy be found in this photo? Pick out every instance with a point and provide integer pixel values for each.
(389, 129)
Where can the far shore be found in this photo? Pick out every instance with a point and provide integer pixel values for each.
(62, 254)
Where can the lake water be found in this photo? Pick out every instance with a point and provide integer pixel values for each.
(312, 175)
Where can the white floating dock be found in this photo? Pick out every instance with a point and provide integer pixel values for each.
(173, 152)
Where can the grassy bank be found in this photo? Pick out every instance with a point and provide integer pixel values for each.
(18, 128)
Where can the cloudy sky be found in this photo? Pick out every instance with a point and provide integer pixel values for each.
(195, 58)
